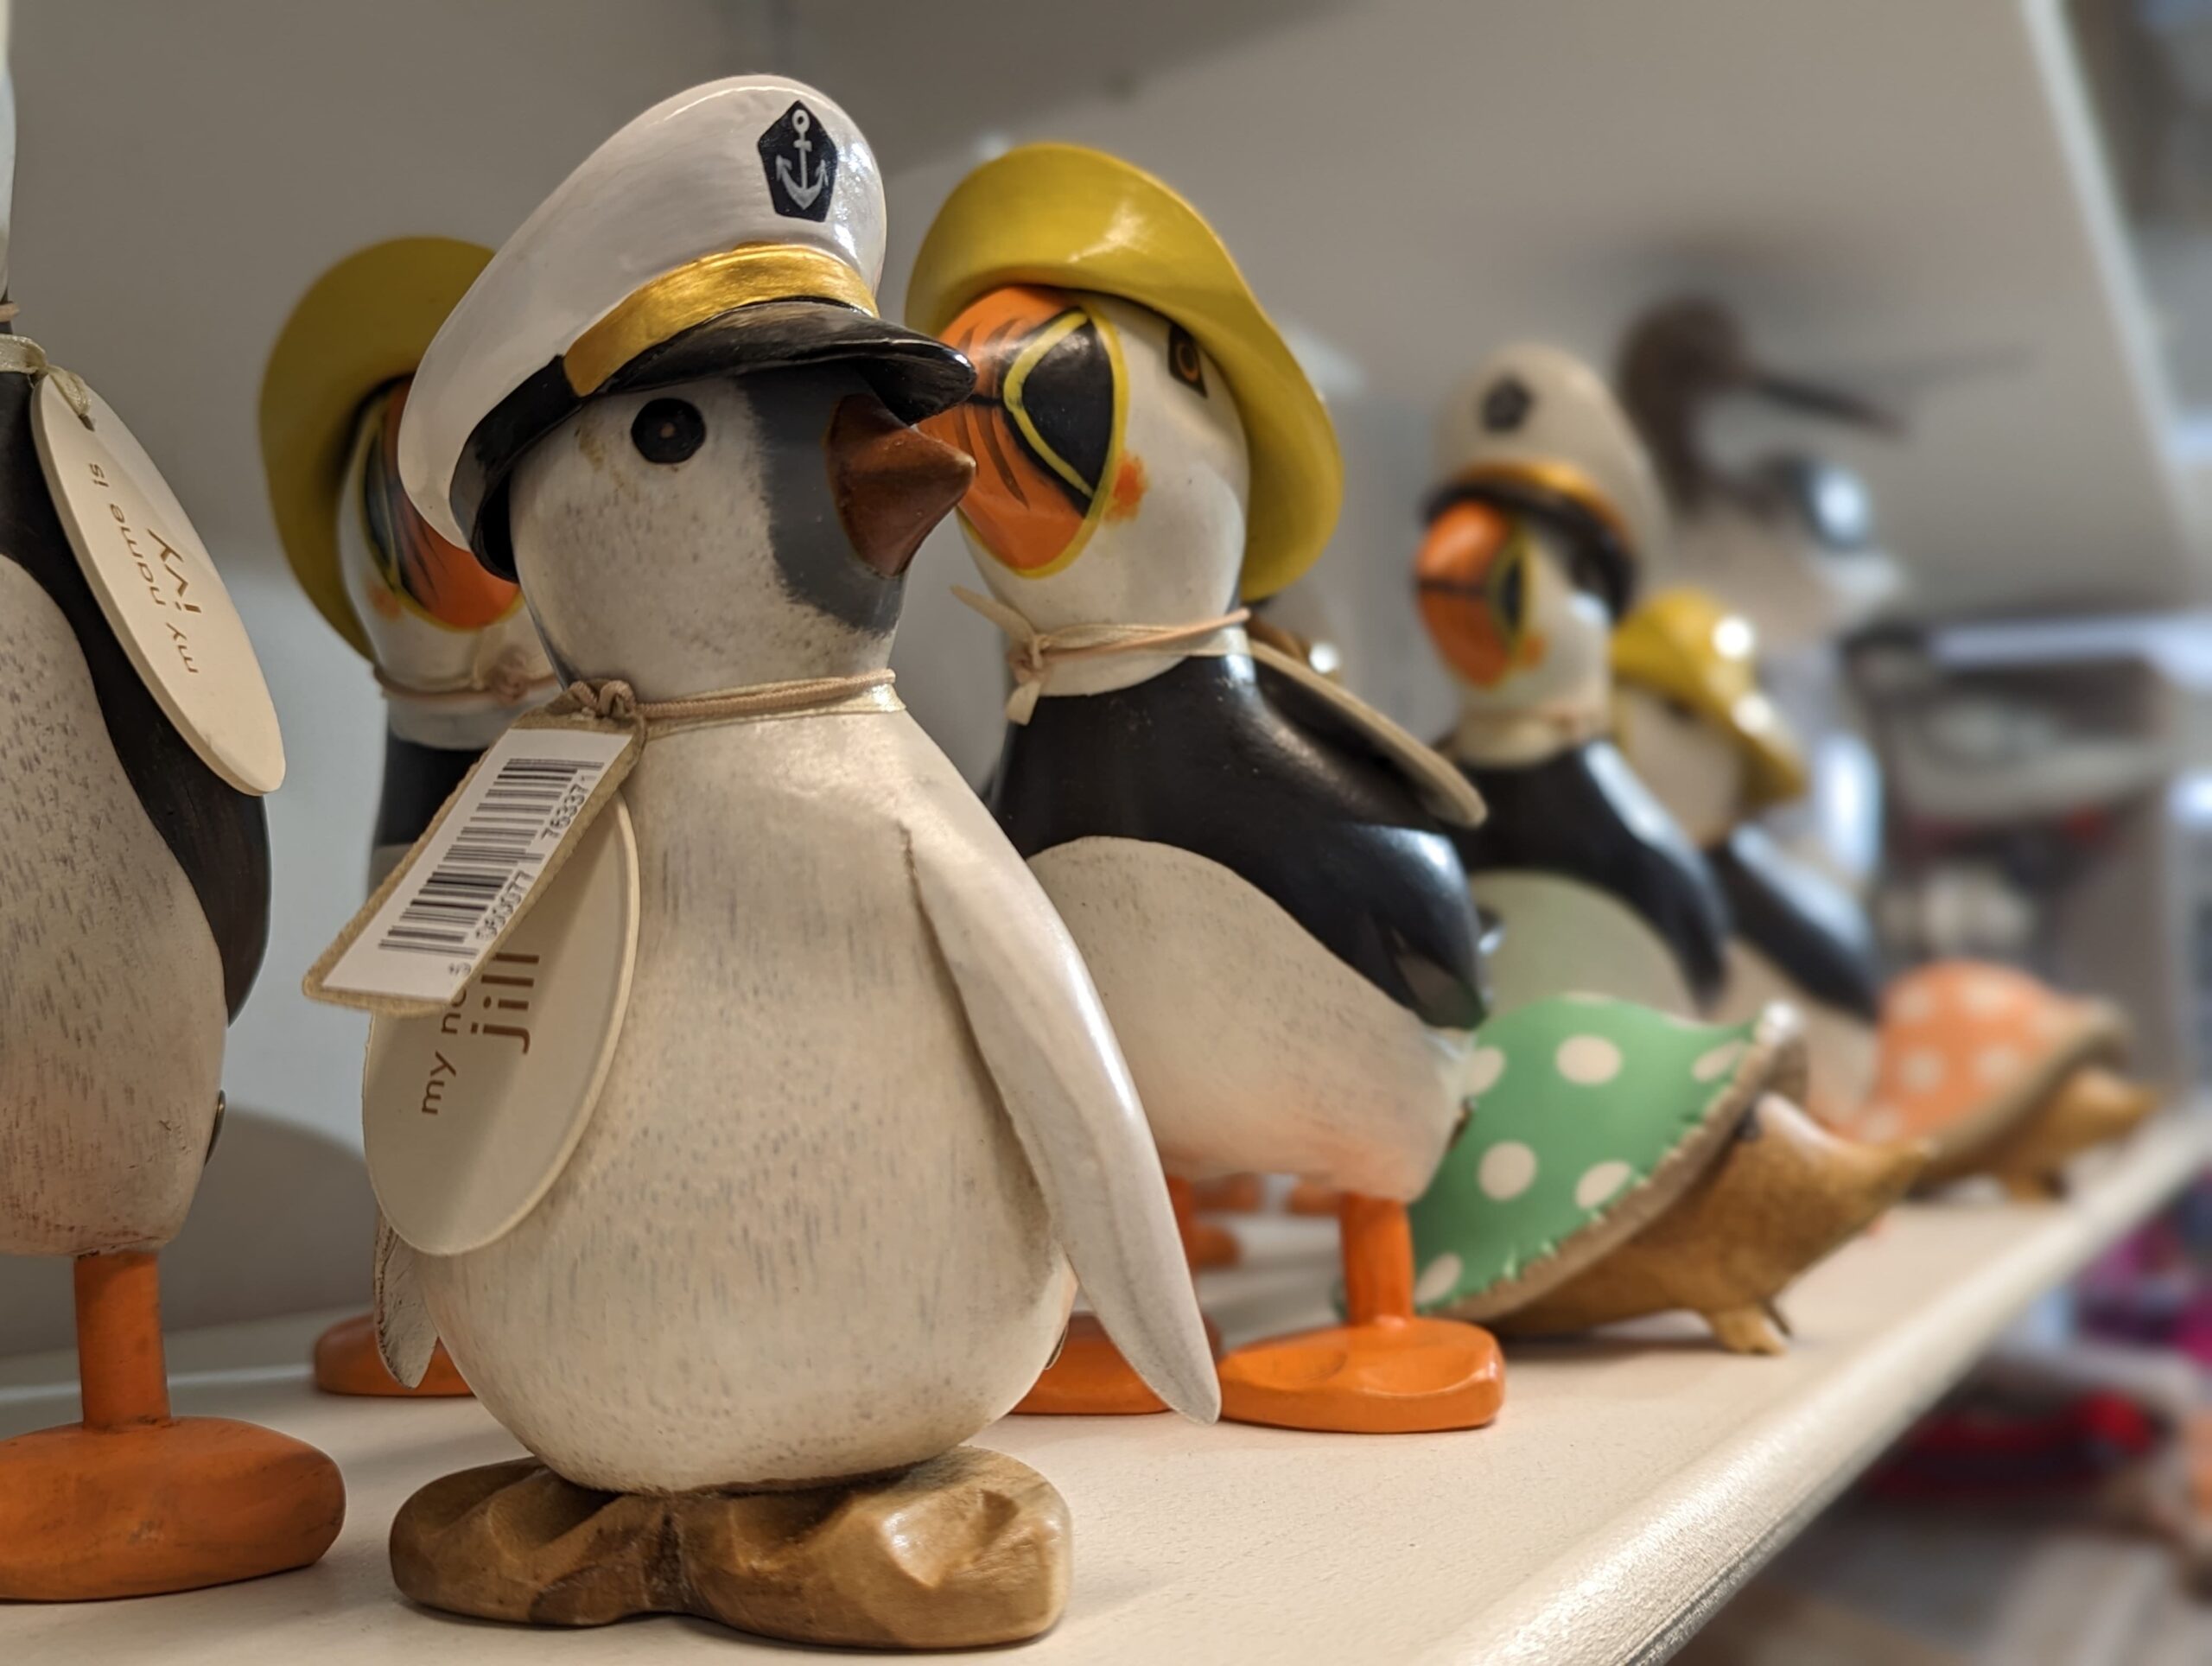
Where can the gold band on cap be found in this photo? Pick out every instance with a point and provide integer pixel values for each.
(703, 288)
(1562, 480)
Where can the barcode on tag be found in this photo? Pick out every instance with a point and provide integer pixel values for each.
(484, 867)
(462, 887)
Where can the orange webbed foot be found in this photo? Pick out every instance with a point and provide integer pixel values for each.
(1385, 1372)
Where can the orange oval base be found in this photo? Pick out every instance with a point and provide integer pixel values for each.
(133, 1511)
(1392, 1375)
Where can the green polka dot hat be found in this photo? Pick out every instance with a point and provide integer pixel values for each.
(1587, 1119)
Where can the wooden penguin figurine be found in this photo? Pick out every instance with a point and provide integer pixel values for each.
(1547, 506)
(1619, 1161)
(1998, 1072)
(854, 1092)
(134, 903)
(1258, 873)
(453, 647)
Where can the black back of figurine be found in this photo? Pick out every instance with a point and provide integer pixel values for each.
(1813, 930)
(1206, 759)
(1585, 816)
(418, 781)
(218, 835)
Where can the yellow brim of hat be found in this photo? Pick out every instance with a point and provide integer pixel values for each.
(1684, 645)
(1073, 218)
(364, 323)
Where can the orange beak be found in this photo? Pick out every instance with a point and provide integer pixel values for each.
(446, 580)
(1471, 578)
(891, 483)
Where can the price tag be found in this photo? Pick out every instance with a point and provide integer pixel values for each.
(469, 1116)
(158, 588)
(471, 877)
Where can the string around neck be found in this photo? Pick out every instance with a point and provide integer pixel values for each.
(1031, 654)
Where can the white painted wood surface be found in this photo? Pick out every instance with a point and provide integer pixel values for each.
(111, 1002)
(1626, 1492)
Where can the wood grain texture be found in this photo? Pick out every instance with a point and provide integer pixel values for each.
(112, 1010)
(970, 1549)
(217, 834)
(1785, 1196)
(1252, 1045)
(798, 1239)
(801, 1238)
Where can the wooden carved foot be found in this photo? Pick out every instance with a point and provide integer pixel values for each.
(965, 1551)
(1749, 1329)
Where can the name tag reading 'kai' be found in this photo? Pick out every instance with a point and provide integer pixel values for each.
(157, 587)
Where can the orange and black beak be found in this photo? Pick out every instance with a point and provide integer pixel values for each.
(442, 579)
(1474, 579)
(1043, 424)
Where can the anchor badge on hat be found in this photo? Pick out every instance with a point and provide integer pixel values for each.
(801, 162)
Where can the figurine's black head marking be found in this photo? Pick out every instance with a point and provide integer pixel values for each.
(812, 552)
(668, 431)
(1506, 405)
(1185, 362)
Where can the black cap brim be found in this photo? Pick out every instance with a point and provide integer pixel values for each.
(915, 375)
(1601, 563)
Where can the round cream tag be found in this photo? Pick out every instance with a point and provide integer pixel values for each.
(159, 589)
(469, 1116)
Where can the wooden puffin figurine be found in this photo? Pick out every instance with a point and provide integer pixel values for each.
(133, 901)
(1258, 873)
(1546, 507)
(1998, 1072)
(453, 647)
(855, 1092)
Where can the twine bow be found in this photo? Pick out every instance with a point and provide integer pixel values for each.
(614, 700)
(1031, 654)
(24, 357)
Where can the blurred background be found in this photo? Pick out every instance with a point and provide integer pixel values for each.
(1993, 217)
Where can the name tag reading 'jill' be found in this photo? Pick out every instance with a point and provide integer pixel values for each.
(469, 880)
(467, 1117)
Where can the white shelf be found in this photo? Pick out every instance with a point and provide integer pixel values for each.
(1632, 1483)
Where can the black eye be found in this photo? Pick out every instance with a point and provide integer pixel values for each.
(668, 431)
(1183, 359)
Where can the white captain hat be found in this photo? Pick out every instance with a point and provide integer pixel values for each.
(737, 227)
(1536, 430)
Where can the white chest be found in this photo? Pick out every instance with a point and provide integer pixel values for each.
(1252, 1045)
(1565, 938)
(112, 1014)
(797, 1239)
